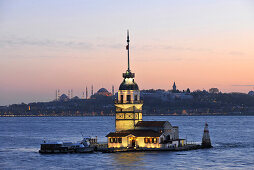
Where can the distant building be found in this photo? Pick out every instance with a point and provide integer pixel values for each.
(251, 93)
(75, 98)
(63, 97)
(180, 96)
(103, 92)
(214, 90)
(174, 87)
(166, 96)
(159, 94)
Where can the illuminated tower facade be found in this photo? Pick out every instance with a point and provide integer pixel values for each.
(128, 104)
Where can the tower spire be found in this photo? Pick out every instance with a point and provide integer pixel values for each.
(128, 73)
(128, 48)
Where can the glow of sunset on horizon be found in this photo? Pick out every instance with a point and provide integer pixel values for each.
(47, 45)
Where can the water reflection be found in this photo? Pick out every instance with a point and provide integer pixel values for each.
(128, 159)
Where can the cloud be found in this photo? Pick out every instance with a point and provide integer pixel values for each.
(243, 85)
(16, 42)
(10, 42)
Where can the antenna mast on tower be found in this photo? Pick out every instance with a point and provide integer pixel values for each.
(128, 73)
(128, 48)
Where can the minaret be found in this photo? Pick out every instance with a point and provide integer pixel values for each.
(128, 105)
(83, 95)
(206, 141)
(56, 95)
(86, 93)
(92, 91)
(113, 90)
(71, 93)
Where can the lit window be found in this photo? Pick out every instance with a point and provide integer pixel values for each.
(119, 140)
(114, 140)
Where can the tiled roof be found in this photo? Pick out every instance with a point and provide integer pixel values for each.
(151, 123)
(137, 133)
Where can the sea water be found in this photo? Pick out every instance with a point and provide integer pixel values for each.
(20, 139)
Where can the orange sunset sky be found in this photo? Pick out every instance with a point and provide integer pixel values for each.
(47, 45)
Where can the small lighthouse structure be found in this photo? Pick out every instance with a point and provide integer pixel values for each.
(206, 141)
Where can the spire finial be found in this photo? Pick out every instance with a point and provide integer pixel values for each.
(127, 48)
(128, 73)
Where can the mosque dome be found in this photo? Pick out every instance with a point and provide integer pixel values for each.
(63, 97)
(128, 84)
(102, 90)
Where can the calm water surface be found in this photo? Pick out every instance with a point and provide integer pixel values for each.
(20, 138)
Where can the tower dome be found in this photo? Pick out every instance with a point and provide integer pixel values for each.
(128, 81)
(128, 84)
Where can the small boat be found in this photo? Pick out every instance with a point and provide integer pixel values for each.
(67, 147)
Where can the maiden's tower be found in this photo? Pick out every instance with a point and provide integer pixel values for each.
(130, 130)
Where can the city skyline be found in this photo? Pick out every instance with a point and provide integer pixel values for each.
(67, 45)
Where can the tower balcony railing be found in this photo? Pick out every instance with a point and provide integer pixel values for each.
(129, 102)
(128, 75)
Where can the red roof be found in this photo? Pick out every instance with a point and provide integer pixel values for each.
(137, 133)
(151, 123)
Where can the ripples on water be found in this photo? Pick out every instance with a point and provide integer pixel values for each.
(20, 138)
